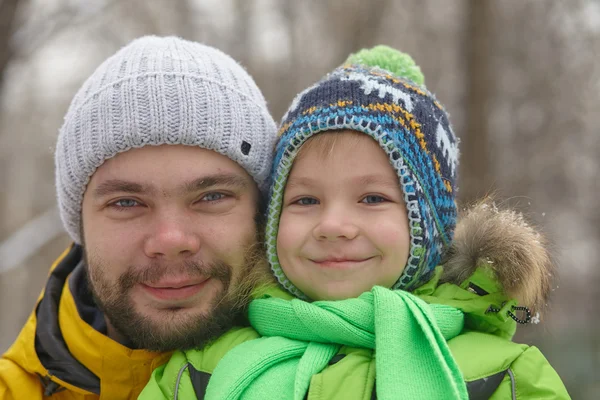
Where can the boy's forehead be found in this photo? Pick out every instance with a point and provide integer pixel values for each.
(337, 146)
(357, 178)
(324, 144)
(342, 158)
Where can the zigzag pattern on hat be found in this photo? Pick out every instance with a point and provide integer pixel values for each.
(409, 125)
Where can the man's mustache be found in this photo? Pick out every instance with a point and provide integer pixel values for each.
(154, 272)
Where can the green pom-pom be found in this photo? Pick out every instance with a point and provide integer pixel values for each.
(384, 57)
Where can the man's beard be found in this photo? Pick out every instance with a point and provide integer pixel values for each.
(172, 329)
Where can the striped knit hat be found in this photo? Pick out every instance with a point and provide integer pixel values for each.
(380, 92)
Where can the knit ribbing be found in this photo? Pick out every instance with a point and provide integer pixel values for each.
(412, 357)
(414, 131)
(158, 91)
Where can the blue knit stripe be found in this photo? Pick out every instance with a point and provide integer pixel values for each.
(410, 127)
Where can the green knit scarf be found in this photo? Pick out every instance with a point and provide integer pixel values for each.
(409, 336)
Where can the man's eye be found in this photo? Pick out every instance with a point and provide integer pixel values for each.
(306, 201)
(124, 203)
(213, 197)
(373, 199)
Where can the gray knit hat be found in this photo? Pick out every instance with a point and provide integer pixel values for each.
(158, 91)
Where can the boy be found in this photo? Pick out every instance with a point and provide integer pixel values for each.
(362, 211)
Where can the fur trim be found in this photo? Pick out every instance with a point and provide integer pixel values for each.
(504, 241)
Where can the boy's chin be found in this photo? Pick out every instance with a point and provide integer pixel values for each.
(337, 291)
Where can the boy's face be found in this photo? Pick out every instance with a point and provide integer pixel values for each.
(344, 224)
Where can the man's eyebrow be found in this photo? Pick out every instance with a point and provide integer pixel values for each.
(205, 182)
(119, 186)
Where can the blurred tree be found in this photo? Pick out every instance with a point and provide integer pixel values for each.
(8, 13)
(519, 78)
(475, 160)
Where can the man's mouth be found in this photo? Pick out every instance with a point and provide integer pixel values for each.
(174, 289)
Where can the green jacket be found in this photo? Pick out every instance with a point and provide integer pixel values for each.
(500, 274)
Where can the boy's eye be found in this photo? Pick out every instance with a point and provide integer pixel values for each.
(213, 196)
(124, 203)
(306, 201)
(373, 199)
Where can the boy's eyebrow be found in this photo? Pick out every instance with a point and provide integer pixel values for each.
(366, 180)
(112, 186)
(299, 181)
(363, 180)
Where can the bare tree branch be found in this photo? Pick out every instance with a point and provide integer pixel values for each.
(28, 240)
(184, 19)
(8, 12)
(241, 36)
(34, 35)
(355, 25)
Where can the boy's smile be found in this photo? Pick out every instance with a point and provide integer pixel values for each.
(344, 225)
(342, 262)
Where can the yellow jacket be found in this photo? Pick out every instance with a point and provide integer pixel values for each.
(61, 355)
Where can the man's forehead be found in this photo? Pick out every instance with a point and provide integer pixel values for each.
(168, 169)
(151, 187)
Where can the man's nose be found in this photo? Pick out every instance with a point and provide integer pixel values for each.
(172, 237)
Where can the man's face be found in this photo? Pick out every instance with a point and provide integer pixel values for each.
(169, 233)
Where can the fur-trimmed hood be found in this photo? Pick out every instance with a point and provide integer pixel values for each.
(504, 242)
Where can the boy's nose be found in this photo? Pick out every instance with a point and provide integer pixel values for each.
(172, 238)
(335, 225)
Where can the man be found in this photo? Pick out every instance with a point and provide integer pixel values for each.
(159, 169)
